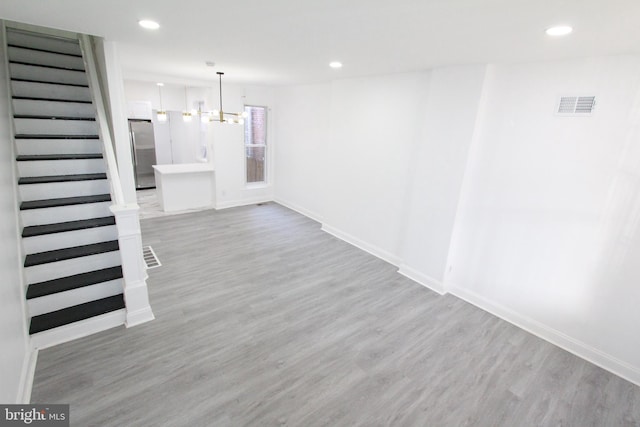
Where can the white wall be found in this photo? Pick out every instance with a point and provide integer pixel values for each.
(13, 334)
(178, 141)
(380, 160)
(466, 178)
(370, 145)
(547, 231)
(301, 163)
(174, 97)
(438, 164)
(225, 143)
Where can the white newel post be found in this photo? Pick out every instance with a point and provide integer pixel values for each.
(136, 295)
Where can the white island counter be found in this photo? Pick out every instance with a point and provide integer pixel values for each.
(185, 186)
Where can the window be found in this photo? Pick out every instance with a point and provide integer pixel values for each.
(255, 143)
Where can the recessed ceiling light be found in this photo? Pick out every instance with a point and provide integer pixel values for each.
(210, 64)
(335, 64)
(149, 25)
(160, 84)
(560, 30)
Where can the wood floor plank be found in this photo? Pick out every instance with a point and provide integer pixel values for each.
(263, 319)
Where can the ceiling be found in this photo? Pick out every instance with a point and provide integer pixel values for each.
(292, 41)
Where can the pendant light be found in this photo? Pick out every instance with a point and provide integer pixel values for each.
(161, 115)
(223, 116)
(186, 114)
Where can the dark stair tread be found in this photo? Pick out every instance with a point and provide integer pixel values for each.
(66, 201)
(36, 157)
(74, 55)
(70, 253)
(61, 178)
(76, 313)
(49, 82)
(39, 98)
(28, 116)
(76, 281)
(55, 67)
(61, 227)
(25, 136)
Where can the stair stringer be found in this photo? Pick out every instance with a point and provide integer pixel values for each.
(136, 293)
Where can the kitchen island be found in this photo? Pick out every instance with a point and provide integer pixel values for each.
(186, 186)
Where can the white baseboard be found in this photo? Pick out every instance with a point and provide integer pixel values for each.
(243, 202)
(580, 349)
(139, 317)
(367, 247)
(28, 374)
(299, 209)
(426, 281)
(77, 330)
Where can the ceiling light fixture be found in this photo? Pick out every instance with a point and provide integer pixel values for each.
(335, 64)
(223, 116)
(559, 30)
(161, 115)
(148, 24)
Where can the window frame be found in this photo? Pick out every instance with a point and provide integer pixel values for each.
(265, 180)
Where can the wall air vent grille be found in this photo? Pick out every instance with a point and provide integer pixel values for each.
(150, 258)
(576, 105)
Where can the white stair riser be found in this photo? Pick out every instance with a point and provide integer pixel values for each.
(60, 167)
(53, 302)
(50, 242)
(69, 267)
(58, 146)
(51, 91)
(17, 54)
(45, 43)
(55, 127)
(52, 108)
(65, 213)
(57, 190)
(44, 74)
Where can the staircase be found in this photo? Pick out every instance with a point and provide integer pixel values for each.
(72, 263)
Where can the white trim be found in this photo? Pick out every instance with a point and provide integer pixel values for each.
(135, 318)
(299, 209)
(77, 330)
(101, 119)
(28, 374)
(367, 247)
(136, 298)
(242, 202)
(426, 281)
(557, 338)
(134, 269)
(256, 185)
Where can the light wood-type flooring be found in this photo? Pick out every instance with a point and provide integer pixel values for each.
(264, 320)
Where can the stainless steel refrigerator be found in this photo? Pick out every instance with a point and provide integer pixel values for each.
(143, 151)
